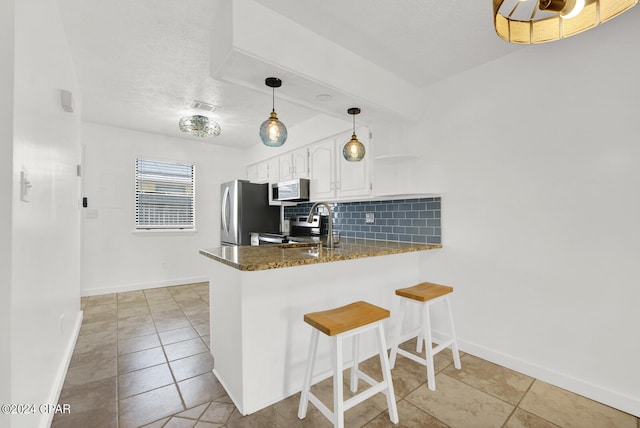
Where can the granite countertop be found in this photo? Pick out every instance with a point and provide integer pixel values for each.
(252, 258)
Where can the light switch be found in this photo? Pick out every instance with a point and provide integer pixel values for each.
(369, 218)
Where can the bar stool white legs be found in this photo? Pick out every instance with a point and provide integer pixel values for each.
(339, 324)
(425, 295)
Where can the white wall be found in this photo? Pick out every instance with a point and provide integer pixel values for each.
(114, 258)
(6, 186)
(46, 231)
(536, 156)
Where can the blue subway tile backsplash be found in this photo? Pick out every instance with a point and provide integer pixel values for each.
(407, 220)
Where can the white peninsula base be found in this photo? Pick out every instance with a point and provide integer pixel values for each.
(258, 337)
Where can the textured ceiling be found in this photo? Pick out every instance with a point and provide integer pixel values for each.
(141, 63)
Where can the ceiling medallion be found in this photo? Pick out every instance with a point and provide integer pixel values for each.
(199, 126)
(540, 21)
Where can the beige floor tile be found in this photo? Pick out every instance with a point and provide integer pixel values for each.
(264, 418)
(177, 422)
(132, 297)
(493, 379)
(185, 348)
(203, 329)
(410, 417)
(109, 314)
(150, 406)
(177, 335)
(144, 380)
(218, 413)
(460, 405)
(101, 352)
(358, 415)
(134, 320)
(143, 329)
(102, 299)
(194, 365)
(440, 360)
(158, 424)
(523, 419)
(97, 309)
(407, 375)
(140, 360)
(104, 416)
(90, 342)
(200, 389)
(140, 343)
(194, 412)
(97, 327)
(172, 323)
(569, 410)
(288, 408)
(130, 305)
(89, 396)
(202, 424)
(91, 372)
(163, 307)
(130, 312)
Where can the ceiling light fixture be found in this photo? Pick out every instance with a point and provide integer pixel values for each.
(540, 21)
(199, 126)
(273, 133)
(354, 150)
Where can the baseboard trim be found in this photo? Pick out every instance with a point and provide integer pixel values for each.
(54, 395)
(589, 390)
(143, 286)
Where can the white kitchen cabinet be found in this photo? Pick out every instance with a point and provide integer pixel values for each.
(333, 177)
(258, 172)
(322, 170)
(294, 164)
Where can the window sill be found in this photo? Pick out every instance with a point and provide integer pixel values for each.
(164, 232)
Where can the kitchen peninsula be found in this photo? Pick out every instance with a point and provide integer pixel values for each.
(258, 296)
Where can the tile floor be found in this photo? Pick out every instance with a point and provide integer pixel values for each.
(142, 360)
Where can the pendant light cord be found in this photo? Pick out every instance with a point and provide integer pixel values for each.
(273, 99)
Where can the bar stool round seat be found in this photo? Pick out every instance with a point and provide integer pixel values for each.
(339, 324)
(425, 295)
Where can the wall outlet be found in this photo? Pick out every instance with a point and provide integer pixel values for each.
(369, 218)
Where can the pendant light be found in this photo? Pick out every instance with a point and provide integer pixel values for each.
(273, 133)
(540, 21)
(354, 150)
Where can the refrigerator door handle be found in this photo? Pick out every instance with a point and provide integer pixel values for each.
(225, 212)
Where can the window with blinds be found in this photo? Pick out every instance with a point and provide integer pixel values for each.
(164, 195)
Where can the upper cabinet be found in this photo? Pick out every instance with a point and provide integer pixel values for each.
(333, 177)
(258, 172)
(294, 164)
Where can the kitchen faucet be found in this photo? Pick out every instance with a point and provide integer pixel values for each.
(310, 220)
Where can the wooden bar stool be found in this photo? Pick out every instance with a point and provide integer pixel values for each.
(425, 294)
(341, 323)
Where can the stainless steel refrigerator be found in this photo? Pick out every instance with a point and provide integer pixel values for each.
(245, 209)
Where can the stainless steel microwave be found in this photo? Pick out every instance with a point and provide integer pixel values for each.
(296, 190)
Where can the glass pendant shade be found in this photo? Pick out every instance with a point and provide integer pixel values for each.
(354, 150)
(199, 126)
(273, 133)
(540, 21)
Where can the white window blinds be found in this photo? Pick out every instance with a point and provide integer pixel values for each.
(164, 195)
